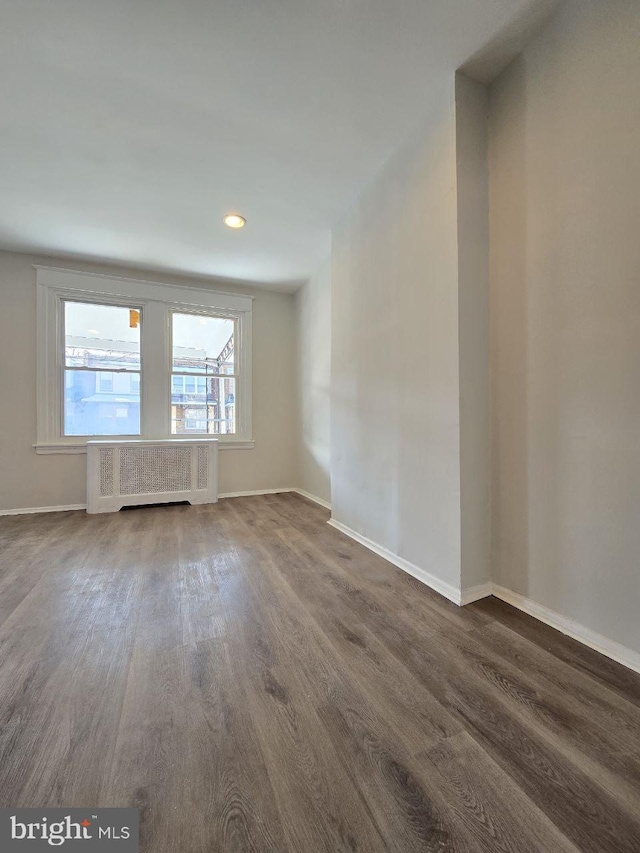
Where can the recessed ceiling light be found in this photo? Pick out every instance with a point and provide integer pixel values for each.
(234, 220)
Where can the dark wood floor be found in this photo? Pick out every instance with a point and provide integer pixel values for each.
(253, 680)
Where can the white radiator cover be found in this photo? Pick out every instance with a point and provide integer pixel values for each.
(134, 472)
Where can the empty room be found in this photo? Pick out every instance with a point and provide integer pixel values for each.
(319, 436)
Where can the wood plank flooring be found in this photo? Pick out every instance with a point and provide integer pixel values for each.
(253, 680)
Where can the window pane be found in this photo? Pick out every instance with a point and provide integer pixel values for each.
(211, 412)
(105, 382)
(202, 344)
(91, 409)
(101, 336)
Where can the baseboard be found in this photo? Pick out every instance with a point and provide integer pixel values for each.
(67, 507)
(615, 651)
(304, 494)
(425, 577)
(609, 648)
(31, 510)
(313, 498)
(255, 492)
(475, 593)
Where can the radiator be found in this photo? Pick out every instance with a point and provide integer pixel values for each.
(134, 472)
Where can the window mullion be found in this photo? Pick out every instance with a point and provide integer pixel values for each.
(155, 371)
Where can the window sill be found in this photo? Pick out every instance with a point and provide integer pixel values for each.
(81, 447)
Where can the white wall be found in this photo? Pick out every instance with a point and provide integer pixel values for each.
(395, 475)
(472, 116)
(29, 480)
(565, 315)
(313, 363)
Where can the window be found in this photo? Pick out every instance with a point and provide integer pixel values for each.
(132, 358)
(105, 382)
(203, 347)
(101, 347)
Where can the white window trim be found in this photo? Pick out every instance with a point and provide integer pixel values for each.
(156, 299)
